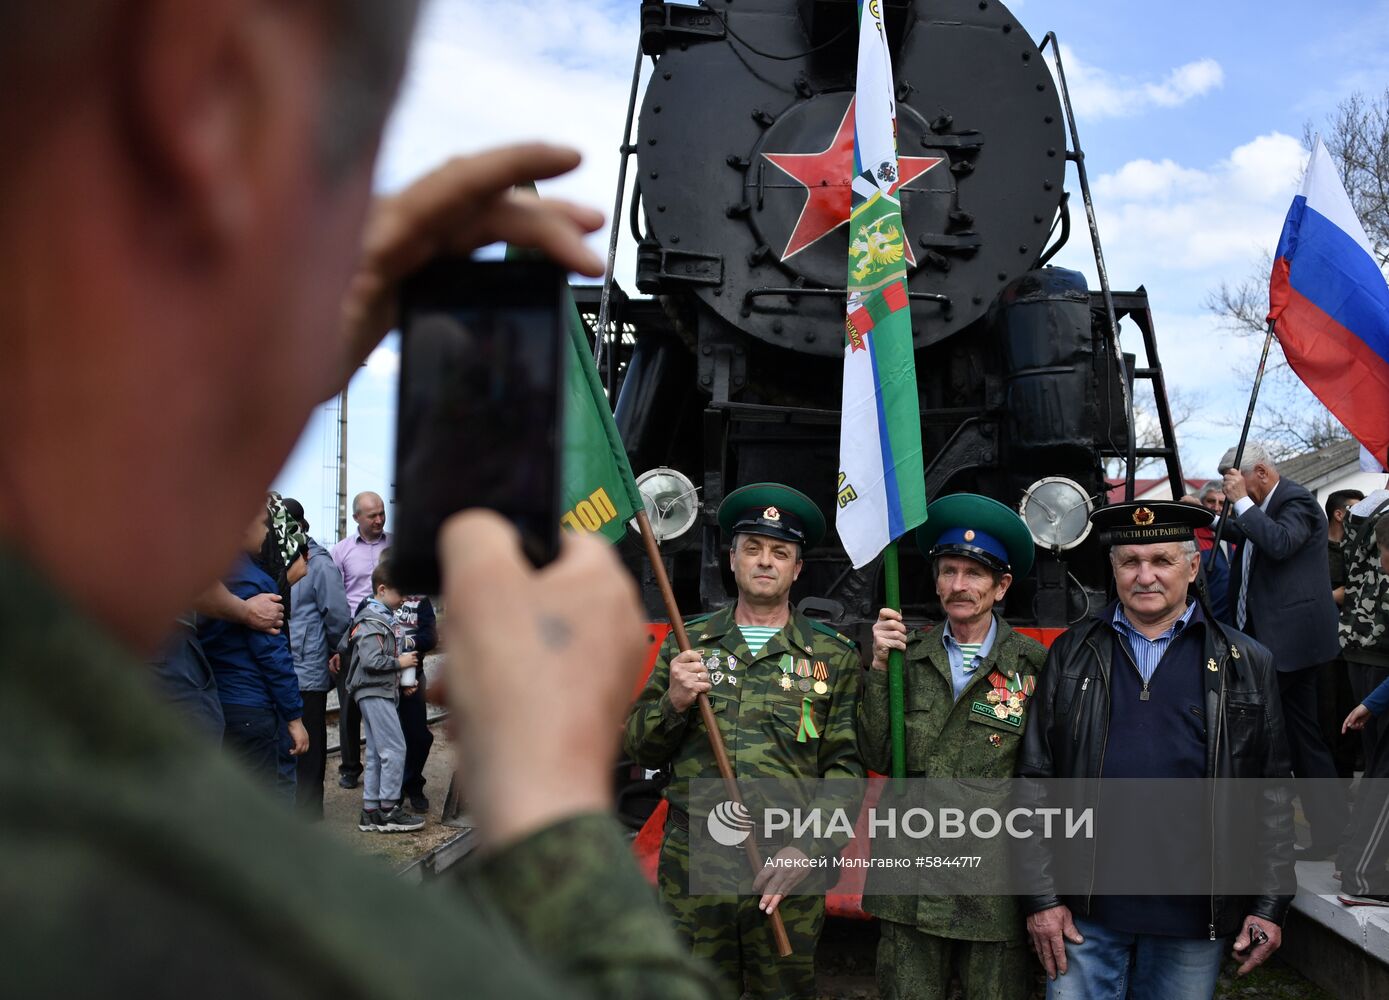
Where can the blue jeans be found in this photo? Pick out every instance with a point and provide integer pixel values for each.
(286, 764)
(1114, 965)
(250, 736)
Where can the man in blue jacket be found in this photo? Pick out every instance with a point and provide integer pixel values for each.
(254, 671)
(318, 617)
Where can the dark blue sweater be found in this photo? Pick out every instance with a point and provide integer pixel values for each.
(1164, 737)
(253, 669)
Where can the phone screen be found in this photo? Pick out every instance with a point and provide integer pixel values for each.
(478, 417)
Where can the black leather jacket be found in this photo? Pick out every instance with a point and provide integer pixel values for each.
(1069, 730)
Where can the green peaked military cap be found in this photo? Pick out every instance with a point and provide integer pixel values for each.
(774, 510)
(978, 528)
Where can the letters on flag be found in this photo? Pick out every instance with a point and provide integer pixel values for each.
(881, 488)
(1329, 304)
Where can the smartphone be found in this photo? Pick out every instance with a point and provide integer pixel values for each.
(478, 422)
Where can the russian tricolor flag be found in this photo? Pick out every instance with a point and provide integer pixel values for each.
(1329, 304)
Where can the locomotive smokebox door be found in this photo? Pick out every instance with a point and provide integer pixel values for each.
(745, 162)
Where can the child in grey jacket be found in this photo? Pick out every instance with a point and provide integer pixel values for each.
(372, 652)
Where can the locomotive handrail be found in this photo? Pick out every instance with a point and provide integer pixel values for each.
(626, 149)
(1078, 155)
(793, 290)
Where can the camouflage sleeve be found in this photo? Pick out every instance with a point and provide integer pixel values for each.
(654, 728)
(575, 898)
(873, 737)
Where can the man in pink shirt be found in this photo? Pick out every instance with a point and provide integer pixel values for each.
(357, 554)
(355, 557)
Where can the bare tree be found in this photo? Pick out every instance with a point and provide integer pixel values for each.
(1288, 416)
(1357, 137)
(1182, 405)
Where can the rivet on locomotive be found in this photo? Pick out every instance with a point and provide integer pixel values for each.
(743, 160)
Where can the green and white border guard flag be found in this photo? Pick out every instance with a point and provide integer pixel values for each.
(881, 489)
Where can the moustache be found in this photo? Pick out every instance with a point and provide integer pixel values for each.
(1147, 590)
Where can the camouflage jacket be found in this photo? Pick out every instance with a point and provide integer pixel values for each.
(951, 739)
(562, 912)
(762, 720)
(1365, 611)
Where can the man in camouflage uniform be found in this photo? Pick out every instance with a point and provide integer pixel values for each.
(1364, 627)
(1363, 855)
(967, 685)
(1335, 697)
(783, 689)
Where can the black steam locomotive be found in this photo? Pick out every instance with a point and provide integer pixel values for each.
(729, 371)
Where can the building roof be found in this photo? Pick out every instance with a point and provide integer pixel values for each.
(1147, 489)
(1312, 468)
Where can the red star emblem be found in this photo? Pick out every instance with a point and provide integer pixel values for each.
(826, 176)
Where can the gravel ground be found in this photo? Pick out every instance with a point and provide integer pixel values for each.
(342, 806)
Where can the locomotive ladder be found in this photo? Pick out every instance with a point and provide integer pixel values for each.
(1134, 306)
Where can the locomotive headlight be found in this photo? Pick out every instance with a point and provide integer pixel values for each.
(672, 502)
(1057, 512)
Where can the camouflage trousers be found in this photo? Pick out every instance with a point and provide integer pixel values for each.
(733, 935)
(916, 966)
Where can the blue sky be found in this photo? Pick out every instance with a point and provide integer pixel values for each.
(1190, 114)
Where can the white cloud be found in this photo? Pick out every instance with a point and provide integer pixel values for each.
(482, 75)
(1182, 218)
(1097, 93)
(1146, 179)
(1267, 167)
(1181, 229)
(1185, 82)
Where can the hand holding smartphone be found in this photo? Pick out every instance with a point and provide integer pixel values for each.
(479, 414)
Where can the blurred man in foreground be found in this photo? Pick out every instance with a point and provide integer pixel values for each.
(179, 207)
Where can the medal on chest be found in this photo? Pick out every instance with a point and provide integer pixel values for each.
(1006, 699)
(788, 666)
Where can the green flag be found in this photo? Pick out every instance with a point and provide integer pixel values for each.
(599, 493)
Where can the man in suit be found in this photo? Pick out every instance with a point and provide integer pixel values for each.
(1279, 596)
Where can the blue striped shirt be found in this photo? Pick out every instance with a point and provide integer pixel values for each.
(961, 673)
(1147, 653)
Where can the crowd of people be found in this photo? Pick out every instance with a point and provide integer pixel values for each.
(1329, 632)
(339, 622)
(1207, 665)
(194, 262)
